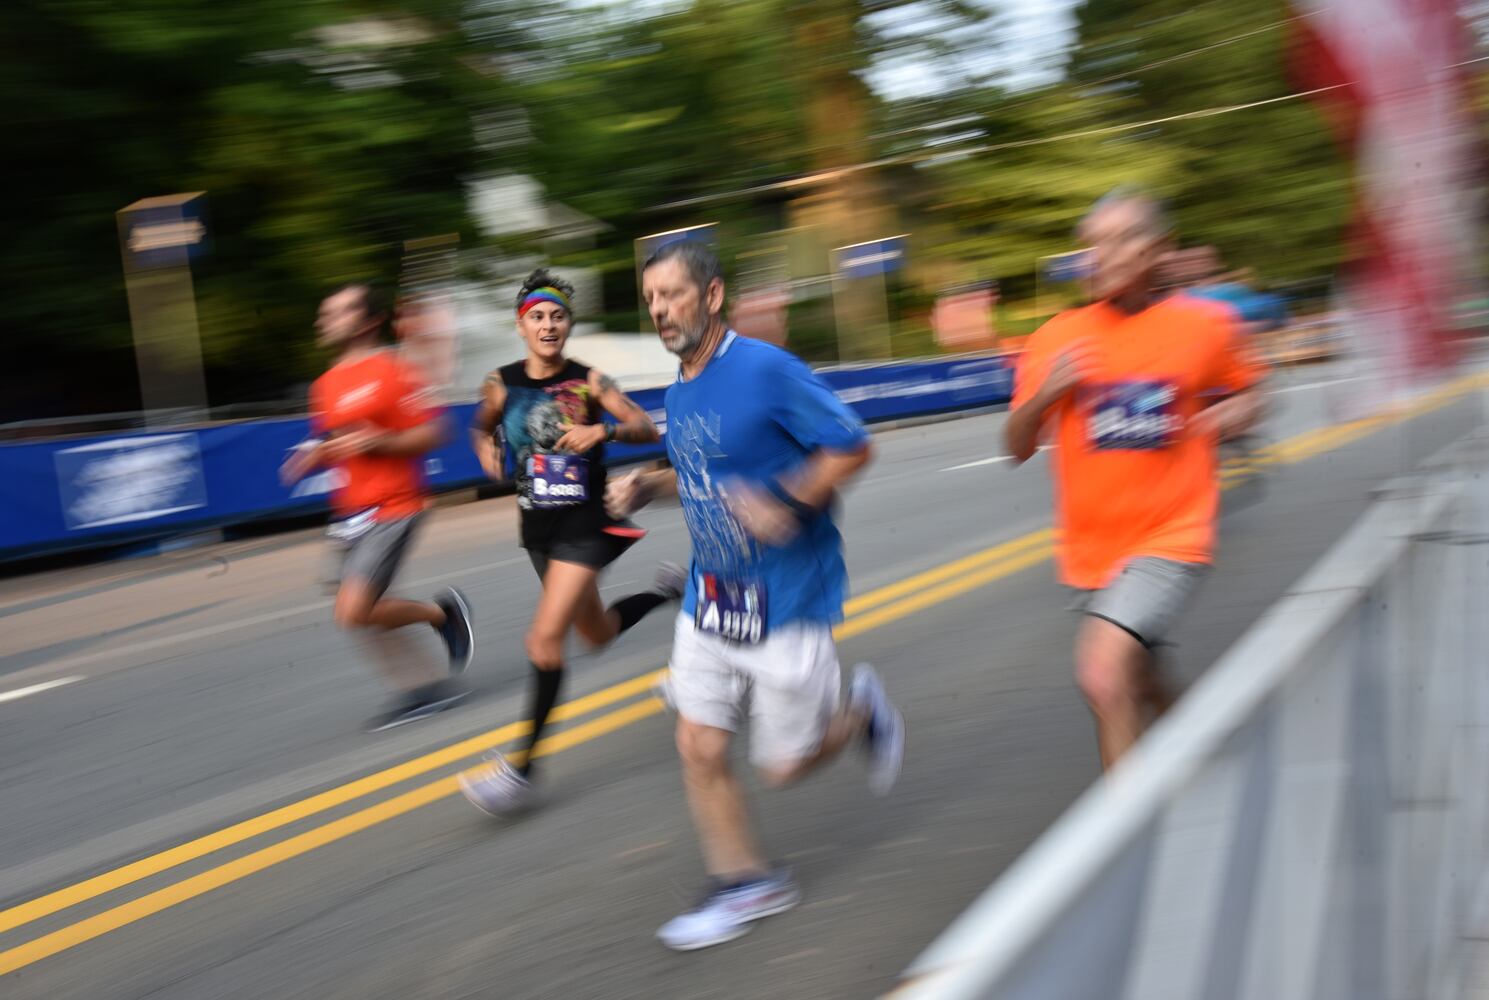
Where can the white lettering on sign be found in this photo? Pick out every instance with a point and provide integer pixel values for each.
(130, 479)
(918, 386)
(864, 260)
(166, 235)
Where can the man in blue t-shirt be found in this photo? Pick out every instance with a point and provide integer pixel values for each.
(759, 447)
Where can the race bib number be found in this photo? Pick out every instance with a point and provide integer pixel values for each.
(349, 529)
(558, 480)
(731, 609)
(1133, 416)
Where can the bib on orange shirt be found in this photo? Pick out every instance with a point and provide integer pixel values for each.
(382, 391)
(1132, 478)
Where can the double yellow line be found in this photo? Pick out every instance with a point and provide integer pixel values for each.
(1312, 443)
(864, 613)
(1316, 442)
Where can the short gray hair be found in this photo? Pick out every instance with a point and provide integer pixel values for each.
(701, 262)
(1152, 208)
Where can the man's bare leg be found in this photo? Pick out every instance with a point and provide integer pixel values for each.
(717, 802)
(1110, 664)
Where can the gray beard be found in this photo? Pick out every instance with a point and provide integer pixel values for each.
(686, 340)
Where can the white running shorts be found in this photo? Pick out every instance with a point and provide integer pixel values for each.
(787, 686)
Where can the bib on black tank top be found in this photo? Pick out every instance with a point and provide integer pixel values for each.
(537, 414)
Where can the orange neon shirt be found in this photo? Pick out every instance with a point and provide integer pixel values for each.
(381, 390)
(1131, 478)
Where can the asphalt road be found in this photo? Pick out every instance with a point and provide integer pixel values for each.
(191, 808)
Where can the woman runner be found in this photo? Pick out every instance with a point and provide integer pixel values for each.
(549, 410)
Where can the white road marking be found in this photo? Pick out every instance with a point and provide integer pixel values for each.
(990, 461)
(981, 461)
(1315, 385)
(207, 631)
(37, 688)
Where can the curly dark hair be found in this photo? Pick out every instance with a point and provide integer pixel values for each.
(541, 278)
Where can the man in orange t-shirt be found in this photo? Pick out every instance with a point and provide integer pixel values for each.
(1125, 388)
(373, 422)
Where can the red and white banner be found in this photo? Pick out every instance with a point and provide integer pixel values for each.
(1398, 101)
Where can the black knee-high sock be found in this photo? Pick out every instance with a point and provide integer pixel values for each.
(636, 607)
(546, 684)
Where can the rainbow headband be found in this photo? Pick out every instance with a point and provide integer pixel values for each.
(544, 294)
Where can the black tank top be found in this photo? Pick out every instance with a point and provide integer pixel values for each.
(538, 412)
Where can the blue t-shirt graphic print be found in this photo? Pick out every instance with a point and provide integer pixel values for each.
(752, 415)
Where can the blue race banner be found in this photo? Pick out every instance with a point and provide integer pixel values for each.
(108, 489)
(917, 388)
(129, 479)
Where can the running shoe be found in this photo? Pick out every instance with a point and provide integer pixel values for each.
(498, 788)
(727, 911)
(625, 529)
(885, 736)
(457, 633)
(671, 581)
(417, 704)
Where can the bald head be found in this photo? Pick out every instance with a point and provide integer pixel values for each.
(1128, 233)
(1135, 204)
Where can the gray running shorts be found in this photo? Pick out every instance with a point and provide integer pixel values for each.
(1145, 599)
(374, 553)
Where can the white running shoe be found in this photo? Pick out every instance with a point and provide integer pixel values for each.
(498, 789)
(885, 736)
(728, 911)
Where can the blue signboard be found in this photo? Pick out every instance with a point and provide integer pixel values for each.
(865, 260)
(1068, 266)
(648, 245)
(163, 232)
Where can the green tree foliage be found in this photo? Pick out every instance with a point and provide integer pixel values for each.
(714, 97)
(1006, 196)
(1266, 185)
(327, 132)
(324, 135)
(634, 114)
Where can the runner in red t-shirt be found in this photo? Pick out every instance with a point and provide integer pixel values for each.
(374, 424)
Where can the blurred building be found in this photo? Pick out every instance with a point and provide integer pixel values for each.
(963, 318)
(516, 209)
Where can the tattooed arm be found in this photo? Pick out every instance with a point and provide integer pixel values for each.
(633, 425)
